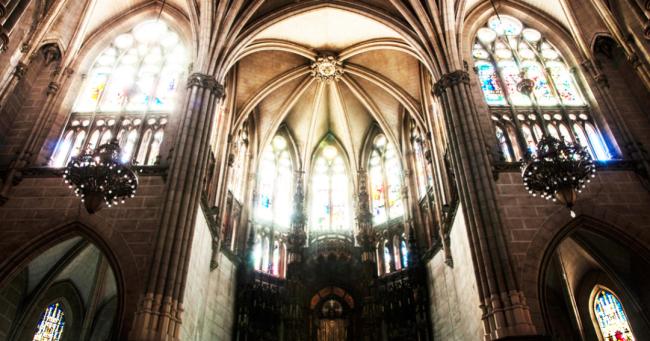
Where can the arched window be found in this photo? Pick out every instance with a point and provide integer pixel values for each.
(131, 88)
(405, 254)
(50, 326)
(385, 181)
(505, 52)
(611, 317)
(275, 184)
(424, 177)
(330, 190)
(387, 258)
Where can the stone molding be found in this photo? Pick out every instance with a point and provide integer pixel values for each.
(205, 81)
(450, 79)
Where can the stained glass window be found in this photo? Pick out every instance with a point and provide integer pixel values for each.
(506, 52)
(611, 317)
(405, 254)
(50, 326)
(385, 180)
(275, 184)
(329, 192)
(387, 258)
(132, 87)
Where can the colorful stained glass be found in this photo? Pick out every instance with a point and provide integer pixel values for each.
(505, 25)
(385, 177)
(612, 320)
(50, 326)
(542, 89)
(275, 184)
(510, 75)
(330, 194)
(565, 84)
(503, 144)
(490, 84)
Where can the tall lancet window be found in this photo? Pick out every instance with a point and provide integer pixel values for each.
(330, 190)
(505, 52)
(50, 326)
(385, 179)
(611, 317)
(128, 94)
(275, 185)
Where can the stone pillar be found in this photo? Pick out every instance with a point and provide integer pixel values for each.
(297, 237)
(159, 311)
(505, 313)
(4, 38)
(36, 137)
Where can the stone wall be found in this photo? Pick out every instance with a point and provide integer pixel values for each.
(209, 300)
(455, 312)
(42, 209)
(615, 197)
(11, 297)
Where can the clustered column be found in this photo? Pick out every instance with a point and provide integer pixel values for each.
(505, 312)
(160, 309)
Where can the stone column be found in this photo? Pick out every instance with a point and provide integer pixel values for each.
(159, 311)
(4, 38)
(505, 313)
(35, 139)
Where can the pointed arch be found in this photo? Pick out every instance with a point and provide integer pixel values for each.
(331, 186)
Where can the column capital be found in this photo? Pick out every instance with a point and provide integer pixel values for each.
(450, 79)
(20, 70)
(52, 88)
(206, 81)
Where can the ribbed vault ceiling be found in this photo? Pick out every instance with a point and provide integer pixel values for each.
(374, 85)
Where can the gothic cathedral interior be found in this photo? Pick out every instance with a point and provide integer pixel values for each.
(328, 170)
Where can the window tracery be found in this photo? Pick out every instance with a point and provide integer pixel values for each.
(128, 93)
(330, 190)
(385, 180)
(50, 326)
(505, 52)
(274, 194)
(611, 317)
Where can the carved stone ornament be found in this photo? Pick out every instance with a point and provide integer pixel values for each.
(202, 80)
(451, 79)
(52, 88)
(327, 68)
(4, 40)
(20, 70)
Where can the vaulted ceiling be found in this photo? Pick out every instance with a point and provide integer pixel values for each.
(374, 87)
(552, 8)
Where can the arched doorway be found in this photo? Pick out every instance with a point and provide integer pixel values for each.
(66, 292)
(593, 286)
(331, 310)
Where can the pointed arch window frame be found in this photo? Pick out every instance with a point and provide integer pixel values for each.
(371, 145)
(511, 116)
(330, 140)
(598, 324)
(90, 119)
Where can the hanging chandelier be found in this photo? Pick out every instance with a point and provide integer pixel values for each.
(558, 171)
(100, 177)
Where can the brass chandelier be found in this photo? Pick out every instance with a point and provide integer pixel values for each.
(558, 171)
(100, 177)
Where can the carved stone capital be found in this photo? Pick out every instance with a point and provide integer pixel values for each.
(202, 80)
(451, 79)
(4, 40)
(20, 70)
(3, 10)
(52, 88)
